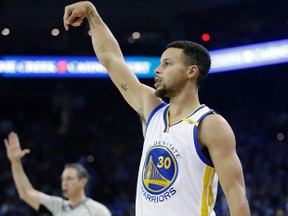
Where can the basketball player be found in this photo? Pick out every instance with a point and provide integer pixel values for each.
(73, 181)
(187, 145)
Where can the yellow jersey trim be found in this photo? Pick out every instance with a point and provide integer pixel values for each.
(207, 194)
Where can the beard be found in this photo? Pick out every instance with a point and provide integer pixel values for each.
(161, 93)
(170, 91)
(165, 93)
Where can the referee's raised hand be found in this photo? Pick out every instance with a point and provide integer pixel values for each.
(13, 148)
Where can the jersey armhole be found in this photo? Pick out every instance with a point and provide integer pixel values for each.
(201, 155)
(153, 112)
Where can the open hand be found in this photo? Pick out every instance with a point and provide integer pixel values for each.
(13, 148)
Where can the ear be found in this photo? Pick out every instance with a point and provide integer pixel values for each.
(84, 181)
(192, 71)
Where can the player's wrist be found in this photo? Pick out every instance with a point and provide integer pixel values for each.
(90, 9)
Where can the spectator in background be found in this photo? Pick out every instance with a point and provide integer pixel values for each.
(73, 181)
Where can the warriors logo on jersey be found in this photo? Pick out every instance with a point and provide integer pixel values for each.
(159, 173)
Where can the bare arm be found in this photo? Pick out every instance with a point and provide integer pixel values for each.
(140, 97)
(23, 185)
(216, 134)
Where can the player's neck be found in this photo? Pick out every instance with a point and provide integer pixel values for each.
(183, 105)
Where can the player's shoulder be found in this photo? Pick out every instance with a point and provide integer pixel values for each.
(215, 125)
(213, 119)
(215, 131)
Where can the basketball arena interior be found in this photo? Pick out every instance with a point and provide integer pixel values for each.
(84, 119)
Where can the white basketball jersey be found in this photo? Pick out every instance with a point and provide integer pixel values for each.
(175, 178)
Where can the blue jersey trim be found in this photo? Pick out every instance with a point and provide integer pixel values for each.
(165, 119)
(153, 112)
(199, 108)
(197, 144)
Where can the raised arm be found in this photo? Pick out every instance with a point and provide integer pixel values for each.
(140, 97)
(216, 134)
(14, 153)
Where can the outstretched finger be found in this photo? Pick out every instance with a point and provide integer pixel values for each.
(67, 14)
(6, 143)
(24, 152)
(13, 139)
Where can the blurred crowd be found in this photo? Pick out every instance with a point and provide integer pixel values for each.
(78, 121)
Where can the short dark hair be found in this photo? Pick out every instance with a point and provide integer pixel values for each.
(81, 170)
(194, 54)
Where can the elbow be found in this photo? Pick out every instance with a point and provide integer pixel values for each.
(31, 197)
(26, 195)
(106, 60)
(23, 196)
